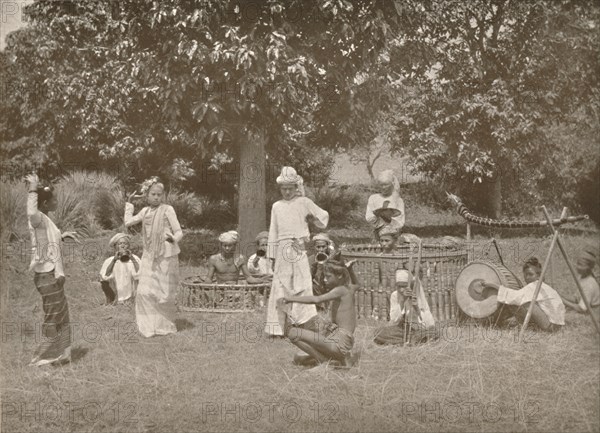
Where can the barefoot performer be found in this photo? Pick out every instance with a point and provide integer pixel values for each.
(49, 275)
(288, 235)
(159, 271)
(338, 343)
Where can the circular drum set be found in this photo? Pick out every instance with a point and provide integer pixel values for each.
(450, 283)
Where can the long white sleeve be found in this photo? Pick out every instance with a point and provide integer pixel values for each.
(129, 218)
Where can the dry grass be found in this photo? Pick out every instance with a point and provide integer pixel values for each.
(220, 374)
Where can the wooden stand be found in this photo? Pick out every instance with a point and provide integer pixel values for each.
(556, 241)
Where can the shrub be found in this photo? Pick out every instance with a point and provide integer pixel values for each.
(13, 196)
(342, 202)
(216, 215)
(187, 205)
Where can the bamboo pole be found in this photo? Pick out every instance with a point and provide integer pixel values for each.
(538, 285)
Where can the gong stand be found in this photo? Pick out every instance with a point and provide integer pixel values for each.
(556, 241)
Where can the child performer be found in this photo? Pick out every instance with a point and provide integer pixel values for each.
(585, 265)
(549, 311)
(49, 275)
(159, 271)
(120, 273)
(388, 197)
(258, 264)
(288, 234)
(339, 342)
(224, 266)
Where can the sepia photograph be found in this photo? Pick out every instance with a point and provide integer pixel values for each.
(300, 216)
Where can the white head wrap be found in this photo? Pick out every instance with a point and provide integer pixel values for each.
(321, 237)
(402, 276)
(289, 176)
(229, 237)
(262, 235)
(387, 177)
(116, 238)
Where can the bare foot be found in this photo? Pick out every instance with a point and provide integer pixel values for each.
(351, 360)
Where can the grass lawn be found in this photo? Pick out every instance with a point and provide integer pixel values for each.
(220, 373)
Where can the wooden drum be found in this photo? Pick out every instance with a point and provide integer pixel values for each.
(475, 300)
(196, 295)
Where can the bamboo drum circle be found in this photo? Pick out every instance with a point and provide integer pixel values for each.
(440, 265)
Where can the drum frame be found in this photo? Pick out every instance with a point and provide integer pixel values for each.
(376, 272)
(196, 295)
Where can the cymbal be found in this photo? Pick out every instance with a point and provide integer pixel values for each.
(387, 212)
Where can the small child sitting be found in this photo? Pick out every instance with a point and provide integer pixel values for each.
(119, 274)
(549, 311)
(585, 266)
(338, 343)
(225, 267)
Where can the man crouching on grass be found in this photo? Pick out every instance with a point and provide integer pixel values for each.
(340, 286)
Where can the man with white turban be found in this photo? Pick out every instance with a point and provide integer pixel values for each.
(226, 266)
(288, 236)
(422, 325)
(388, 197)
(119, 274)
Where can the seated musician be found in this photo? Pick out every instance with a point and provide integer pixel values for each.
(585, 266)
(408, 323)
(225, 267)
(119, 274)
(387, 197)
(388, 238)
(549, 311)
(258, 264)
(324, 250)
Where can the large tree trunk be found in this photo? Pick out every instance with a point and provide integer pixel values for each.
(252, 197)
(495, 197)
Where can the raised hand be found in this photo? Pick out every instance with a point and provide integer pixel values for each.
(133, 196)
(33, 181)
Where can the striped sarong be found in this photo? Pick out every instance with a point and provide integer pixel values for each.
(56, 331)
(155, 306)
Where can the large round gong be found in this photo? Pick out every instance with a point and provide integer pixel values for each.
(475, 300)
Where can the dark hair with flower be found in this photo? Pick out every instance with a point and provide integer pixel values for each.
(148, 183)
(45, 192)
